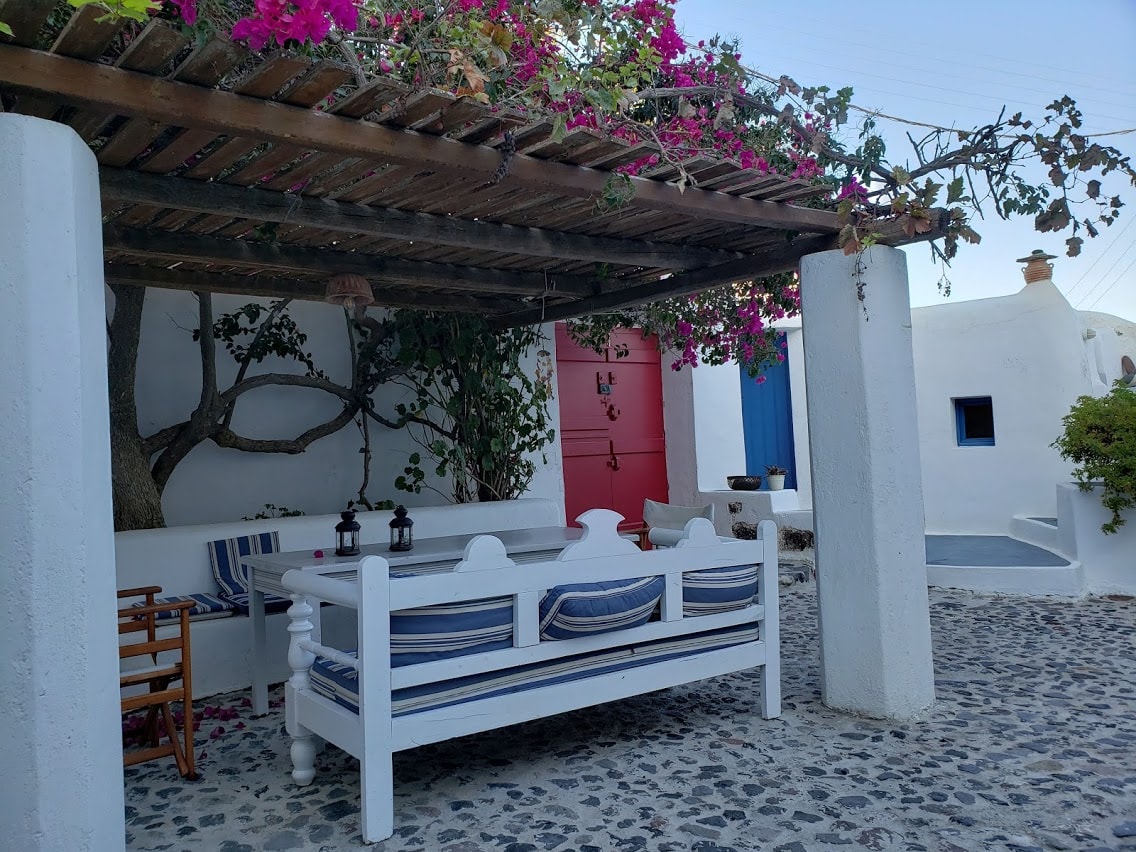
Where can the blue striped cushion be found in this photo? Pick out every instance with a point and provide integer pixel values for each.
(272, 603)
(441, 631)
(718, 589)
(224, 558)
(341, 684)
(203, 605)
(587, 609)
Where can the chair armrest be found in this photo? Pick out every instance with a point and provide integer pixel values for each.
(640, 534)
(141, 590)
(154, 608)
(663, 537)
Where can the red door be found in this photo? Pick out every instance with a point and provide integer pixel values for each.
(611, 426)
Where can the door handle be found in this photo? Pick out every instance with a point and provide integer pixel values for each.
(613, 462)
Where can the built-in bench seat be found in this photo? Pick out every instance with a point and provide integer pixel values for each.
(443, 654)
(182, 561)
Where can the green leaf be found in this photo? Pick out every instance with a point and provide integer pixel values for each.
(955, 190)
(5, 29)
(559, 128)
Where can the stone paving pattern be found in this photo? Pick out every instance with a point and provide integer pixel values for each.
(1030, 746)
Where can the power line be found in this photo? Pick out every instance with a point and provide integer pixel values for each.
(1108, 272)
(813, 36)
(1113, 284)
(1104, 251)
(879, 114)
(1048, 94)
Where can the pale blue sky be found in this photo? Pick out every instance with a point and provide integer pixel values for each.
(955, 64)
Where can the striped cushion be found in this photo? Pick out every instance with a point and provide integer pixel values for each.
(341, 684)
(203, 604)
(272, 603)
(449, 630)
(718, 589)
(587, 609)
(224, 557)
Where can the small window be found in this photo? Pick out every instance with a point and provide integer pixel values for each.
(974, 421)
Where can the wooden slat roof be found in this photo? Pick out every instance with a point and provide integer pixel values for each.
(226, 172)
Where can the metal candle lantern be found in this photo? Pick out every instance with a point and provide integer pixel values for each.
(402, 532)
(347, 535)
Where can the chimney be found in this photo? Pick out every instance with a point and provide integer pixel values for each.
(1036, 268)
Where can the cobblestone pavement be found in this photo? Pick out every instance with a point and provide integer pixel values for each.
(1030, 746)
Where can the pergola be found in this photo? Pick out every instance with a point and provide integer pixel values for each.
(226, 172)
(264, 176)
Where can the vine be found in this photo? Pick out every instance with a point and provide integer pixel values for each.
(623, 70)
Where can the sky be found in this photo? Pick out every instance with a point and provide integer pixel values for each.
(955, 64)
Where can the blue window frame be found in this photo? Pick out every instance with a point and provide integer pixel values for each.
(974, 421)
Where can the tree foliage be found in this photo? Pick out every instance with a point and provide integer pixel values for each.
(1100, 437)
(474, 410)
(143, 465)
(476, 413)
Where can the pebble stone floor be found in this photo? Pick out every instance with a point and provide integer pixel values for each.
(1030, 746)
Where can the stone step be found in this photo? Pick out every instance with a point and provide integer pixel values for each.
(1035, 530)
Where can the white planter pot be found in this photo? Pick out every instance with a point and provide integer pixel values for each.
(776, 483)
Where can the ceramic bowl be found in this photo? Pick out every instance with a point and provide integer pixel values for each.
(744, 483)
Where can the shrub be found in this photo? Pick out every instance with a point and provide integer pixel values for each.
(1100, 437)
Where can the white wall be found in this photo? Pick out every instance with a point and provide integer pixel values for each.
(702, 419)
(1108, 561)
(214, 484)
(1025, 352)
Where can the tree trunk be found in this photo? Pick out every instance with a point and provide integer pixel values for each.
(137, 500)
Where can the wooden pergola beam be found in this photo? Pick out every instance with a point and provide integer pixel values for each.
(133, 94)
(178, 246)
(772, 262)
(270, 287)
(119, 185)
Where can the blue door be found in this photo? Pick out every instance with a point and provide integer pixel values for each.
(767, 420)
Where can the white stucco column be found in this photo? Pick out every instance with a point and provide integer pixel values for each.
(61, 786)
(866, 483)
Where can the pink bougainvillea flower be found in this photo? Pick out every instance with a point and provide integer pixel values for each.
(187, 9)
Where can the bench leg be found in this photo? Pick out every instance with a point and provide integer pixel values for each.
(771, 689)
(303, 751)
(376, 796)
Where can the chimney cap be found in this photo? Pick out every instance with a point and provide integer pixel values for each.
(1037, 254)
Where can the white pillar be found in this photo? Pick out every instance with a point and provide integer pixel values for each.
(867, 491)
(62, 784)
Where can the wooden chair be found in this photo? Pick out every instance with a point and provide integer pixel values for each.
(166, 681)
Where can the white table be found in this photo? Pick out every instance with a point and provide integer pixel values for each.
(429, 554)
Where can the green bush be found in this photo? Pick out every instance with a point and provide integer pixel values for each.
(1100, 437)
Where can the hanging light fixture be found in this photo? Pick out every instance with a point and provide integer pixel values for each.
(350, 291)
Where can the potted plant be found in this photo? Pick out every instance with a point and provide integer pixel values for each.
(775, 476)
(1100, 436)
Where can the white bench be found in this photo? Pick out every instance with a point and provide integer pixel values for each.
(371, 708)
(176, 559)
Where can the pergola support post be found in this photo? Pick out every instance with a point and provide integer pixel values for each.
(62, 786)
(867, 486)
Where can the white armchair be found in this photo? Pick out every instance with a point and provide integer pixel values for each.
(665, 521)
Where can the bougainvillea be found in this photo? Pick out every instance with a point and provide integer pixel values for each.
(623, 69)
(714, 326)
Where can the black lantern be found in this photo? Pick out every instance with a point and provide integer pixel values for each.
(402, 534)
(347, 535)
